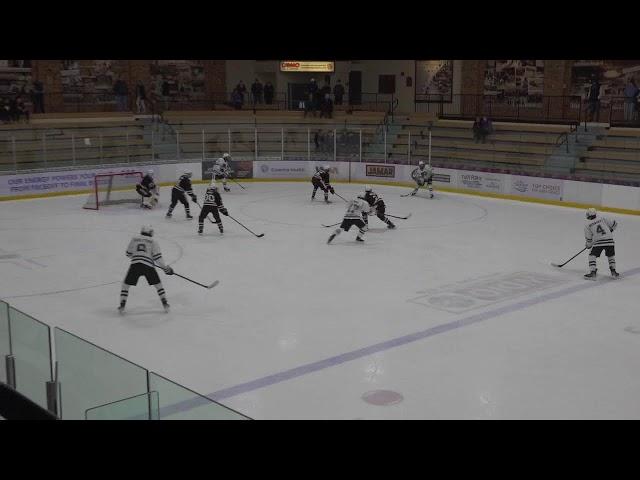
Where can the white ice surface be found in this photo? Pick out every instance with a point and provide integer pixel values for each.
(289, 299)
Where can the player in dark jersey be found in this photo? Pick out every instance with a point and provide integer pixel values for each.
(179, 192)
(212, 205)
(320, 180)
(148, 190)
(377, 204)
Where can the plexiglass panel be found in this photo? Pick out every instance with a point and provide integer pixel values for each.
(180, 403)
(140, 407)
(90, 376)
(5, 341)
(31, 347)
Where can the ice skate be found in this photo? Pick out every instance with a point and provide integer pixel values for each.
(165, 305)
(591, 275)
(331, 237)
(614, 274)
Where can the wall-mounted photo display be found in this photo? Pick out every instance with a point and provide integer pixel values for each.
(15, 76)
(515, 78)
(434, 80)
(178, 80)
(90, 81)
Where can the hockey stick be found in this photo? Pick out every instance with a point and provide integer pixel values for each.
(408, 194)
(257, 235)
(337, 194)
(233, 180)
(560, 266)
(209, 287)
(401, 218)
(333, 225)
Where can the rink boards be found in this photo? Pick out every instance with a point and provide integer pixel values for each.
(615, 198)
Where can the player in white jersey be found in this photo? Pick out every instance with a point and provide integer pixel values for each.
(421, 175)
(598, 233)
(222, 170)
(353, 216)
(144, 253)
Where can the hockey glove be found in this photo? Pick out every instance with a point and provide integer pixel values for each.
(168, 270)
(588, 244)
(224, 212)
(333, 192)
(194, 198)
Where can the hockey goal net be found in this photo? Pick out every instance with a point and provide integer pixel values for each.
(113, 189)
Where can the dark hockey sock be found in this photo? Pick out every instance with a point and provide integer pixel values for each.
(124, 293)
(592, 263)
(160, 290)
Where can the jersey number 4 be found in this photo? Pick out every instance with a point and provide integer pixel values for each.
(600, 230)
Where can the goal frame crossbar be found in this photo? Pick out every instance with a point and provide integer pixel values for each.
(96, 189)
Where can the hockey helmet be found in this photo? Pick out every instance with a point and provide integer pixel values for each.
(187, 172)
(225, 155)
(326, 168)
(421, 163)
(213, 184)
(591, 213)
(367, 188)
(150, 172)
(146, 230)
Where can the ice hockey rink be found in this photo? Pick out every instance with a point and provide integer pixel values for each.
(456, 314)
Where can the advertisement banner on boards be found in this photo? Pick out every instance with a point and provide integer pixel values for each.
(381, 171)
(484, 182)
(547, 188)
(78, 180)
(281, 169)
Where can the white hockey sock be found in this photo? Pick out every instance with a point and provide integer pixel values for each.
(592, 263)
(160, 290)
(612, 262)
(124, 293)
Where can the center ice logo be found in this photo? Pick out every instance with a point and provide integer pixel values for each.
(480, 292)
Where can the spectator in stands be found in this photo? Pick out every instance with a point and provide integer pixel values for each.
(486, 128)
(477, 135)
(4, 111)
(630, 93)
(256, 91)
(316, 139)
(594, 99)
(166, 94)
(312, 87)
(326, 89)
(326, 108)
(38, 97)
(141, 97)
(121, 91)
(309, 105)
(268, 93)
(236, 99)
(241, 89)
(338, 93)
(22, 110)
(14, 113)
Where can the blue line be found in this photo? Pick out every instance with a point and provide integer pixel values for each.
(399, 341)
